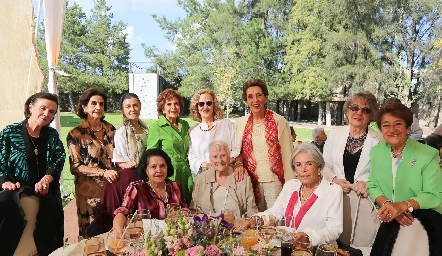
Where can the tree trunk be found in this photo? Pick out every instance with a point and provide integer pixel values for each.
(71, 103)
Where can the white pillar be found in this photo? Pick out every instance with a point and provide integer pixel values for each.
(321, 113)
(327, 114)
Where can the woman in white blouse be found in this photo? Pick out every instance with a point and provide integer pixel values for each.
(205, 109)
(131, 136)
(310, 204)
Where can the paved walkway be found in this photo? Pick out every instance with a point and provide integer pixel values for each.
(70, 221)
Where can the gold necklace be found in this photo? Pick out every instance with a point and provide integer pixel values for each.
(99, 129)
(209, 129)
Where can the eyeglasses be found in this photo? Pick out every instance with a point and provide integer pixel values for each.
(201, 103)
(356, 108)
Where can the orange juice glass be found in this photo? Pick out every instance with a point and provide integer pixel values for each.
(249, 238)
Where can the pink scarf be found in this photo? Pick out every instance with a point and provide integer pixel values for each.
(274, 152)
(302, 211)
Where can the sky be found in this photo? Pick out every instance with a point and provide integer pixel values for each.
(137, 15)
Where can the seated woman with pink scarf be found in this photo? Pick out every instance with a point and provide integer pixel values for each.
(310, 204)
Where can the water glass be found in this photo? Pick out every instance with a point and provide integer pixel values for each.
(286, 246)
(302, 248)
(116, 243)
(326, 250)
(94, 247)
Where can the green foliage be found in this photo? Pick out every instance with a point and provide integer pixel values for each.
(242, 38)
(94, 51)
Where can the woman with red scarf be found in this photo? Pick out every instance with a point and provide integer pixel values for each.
(265, 142)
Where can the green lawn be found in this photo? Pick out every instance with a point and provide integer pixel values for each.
(69, 121)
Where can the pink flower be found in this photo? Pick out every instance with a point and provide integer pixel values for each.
(186, 241)
(257, 248)
(194, 251)
(212, 250)
(238, 250)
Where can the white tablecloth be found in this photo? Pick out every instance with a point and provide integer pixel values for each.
(78, 248)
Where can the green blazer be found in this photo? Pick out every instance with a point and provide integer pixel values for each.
(418, 176)
(176, 144)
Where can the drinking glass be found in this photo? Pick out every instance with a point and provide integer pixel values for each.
(267, 233)
(249, 238)
(67, 241)
(302, 248)
(94, 247)
(286, 245)
(116, 243)
(229, 216)
(326, 250)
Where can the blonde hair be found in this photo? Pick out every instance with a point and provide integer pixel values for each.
(217, 111)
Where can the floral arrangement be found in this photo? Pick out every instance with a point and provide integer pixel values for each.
(206, 236)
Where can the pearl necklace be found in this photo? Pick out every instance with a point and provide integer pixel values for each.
(394, 155)
(164, 199)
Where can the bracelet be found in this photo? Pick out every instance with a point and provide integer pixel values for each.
(102, 174)
(386, 201)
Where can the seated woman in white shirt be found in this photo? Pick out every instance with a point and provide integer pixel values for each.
(310, 204)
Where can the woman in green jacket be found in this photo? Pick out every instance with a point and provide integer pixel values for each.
(170, 133)
(405, 182)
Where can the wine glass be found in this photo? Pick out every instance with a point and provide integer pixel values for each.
(326, 250)
(116, 243)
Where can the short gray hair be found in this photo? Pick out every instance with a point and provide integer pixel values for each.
(368, 97)
(216, 144)
(312, 150)
(316, 132)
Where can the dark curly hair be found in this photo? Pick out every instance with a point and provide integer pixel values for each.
(84, 100)
(34, 98)
(144, 162)
(395, 109)
(254, 82)
(166, 95)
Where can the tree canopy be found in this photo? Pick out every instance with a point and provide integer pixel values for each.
(94, 51)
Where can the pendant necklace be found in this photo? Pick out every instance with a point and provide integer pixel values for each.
(32, 141)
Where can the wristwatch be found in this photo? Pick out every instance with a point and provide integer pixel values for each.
(410, 207)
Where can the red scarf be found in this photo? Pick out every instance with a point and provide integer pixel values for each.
(302, 211)
(274, 152)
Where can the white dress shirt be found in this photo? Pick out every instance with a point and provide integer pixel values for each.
(323, 222)
(200, 140)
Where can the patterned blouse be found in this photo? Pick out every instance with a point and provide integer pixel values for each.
(86, 149)
(16, 152)
(139, 195)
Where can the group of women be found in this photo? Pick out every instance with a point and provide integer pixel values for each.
(248, 166)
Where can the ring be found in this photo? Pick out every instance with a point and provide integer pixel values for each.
(389, 215)
(45, 186)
